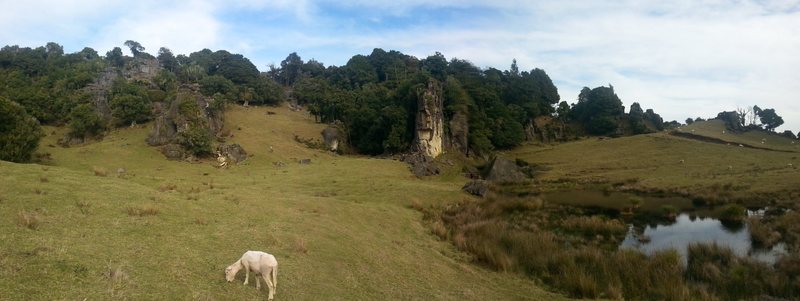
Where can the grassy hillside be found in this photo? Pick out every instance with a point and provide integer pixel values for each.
(716, 129)
(163, 230)
(664, 162)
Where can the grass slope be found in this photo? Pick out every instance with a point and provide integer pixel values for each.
(716, 129)
(340, 227)
(663, 162)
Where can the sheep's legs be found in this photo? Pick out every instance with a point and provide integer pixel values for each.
(270, 285)
(246, 275)
(258, 283)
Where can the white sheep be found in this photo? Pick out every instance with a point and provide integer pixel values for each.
(260, 263)
(222, 160)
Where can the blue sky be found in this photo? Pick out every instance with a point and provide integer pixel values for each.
(682, 58)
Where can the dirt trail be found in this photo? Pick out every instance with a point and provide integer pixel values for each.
(720, 141)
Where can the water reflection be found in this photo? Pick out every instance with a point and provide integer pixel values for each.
(693, 229)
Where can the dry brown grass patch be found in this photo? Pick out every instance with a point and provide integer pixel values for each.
(167, 187)
(142, 211)
(28, 220)
(99, 171)
(83, 206)
(300, 245)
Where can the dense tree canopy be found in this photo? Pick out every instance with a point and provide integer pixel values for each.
(19, 132)
(373, 97)
(598, 110)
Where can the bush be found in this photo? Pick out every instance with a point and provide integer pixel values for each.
(733, 213)
(19, 132)
(84, 121)
(128, 108)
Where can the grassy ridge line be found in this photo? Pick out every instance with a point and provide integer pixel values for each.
(339, 227)
(716, 129)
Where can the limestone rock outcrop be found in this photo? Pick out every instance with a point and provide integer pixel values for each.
(428, 137)
(234, 152)
(503, 170)
(174, 118)
(330, 136)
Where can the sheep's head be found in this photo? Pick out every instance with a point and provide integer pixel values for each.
(229, 274)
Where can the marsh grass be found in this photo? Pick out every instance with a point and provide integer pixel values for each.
(556, 245)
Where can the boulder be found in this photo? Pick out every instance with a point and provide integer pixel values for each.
(330, 136)
(421, 165)
(476, 187)
(234, 152)
(173, 151)
(503, 170)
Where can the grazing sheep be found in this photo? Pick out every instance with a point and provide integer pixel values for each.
(260, 263)
(681, 161)
(723, 131)
(741, 145)
(223, 161)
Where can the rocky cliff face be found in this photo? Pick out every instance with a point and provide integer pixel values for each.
(139, 69)
(428, 138)
(171, 120)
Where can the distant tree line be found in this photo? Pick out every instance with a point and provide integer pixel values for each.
(372, 97)
(375, 98)
(53, 87)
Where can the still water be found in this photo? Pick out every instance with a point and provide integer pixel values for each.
(688, 229)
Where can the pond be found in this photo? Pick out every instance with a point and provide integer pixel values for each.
(691, 229)
(649, 231)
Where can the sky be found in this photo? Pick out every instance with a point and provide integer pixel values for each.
(682, 58)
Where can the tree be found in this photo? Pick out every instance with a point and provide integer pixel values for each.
(54, 50)
(167, 60)
(598, 109)
(770, 119)
(636, 119)
(689, 121)
(19, 132)
(436, 65)
(743, 114)
(788, 134)
(290, 69)
(114, 57)
(136, 48)
(84, 121)
(360, 71)
(211, 85)
(129, 109)
(563, 111)
(732, 119)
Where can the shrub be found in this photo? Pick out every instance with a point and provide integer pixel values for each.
(19, 132)
(84, 121)
(733, 213)
(129, 108)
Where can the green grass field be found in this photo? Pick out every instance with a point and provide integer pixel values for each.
(663, 162)
(715, 128)
(341, 227)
